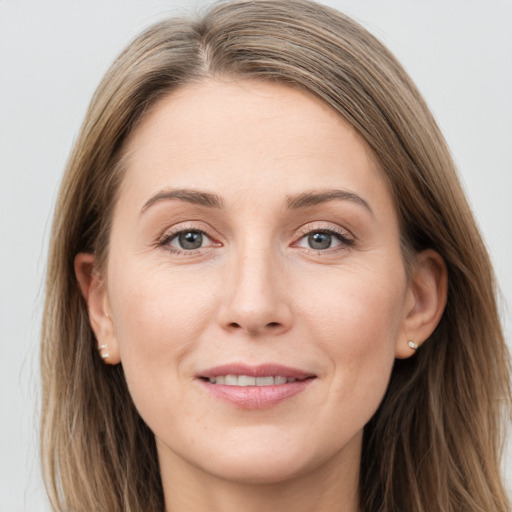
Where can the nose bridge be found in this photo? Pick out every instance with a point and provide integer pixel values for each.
(255, 300)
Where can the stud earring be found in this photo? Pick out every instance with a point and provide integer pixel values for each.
(412, 345)
(106, 354)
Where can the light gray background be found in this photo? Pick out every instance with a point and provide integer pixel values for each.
(52, 55)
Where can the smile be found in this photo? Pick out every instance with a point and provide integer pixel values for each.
(249, 380)
(255, 387)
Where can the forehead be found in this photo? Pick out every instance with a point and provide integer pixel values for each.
(246, 136)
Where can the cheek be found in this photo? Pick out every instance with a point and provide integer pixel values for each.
(357, 318)
(159, 315)
(157, 304)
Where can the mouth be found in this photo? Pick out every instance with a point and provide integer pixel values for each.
(249, 380)
(255, 387)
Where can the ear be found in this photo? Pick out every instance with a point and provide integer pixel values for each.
(428, 288)
(94, 292)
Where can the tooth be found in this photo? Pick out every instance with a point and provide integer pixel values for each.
(231, 380)
(264, 381)
(246, 380)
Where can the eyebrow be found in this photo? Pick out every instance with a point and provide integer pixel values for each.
(314, 198)
(187, 195)
(295, 202)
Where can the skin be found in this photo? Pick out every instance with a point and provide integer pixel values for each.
(256, 292)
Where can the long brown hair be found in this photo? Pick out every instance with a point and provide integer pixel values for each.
(435, 442)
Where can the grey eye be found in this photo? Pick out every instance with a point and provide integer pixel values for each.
(323, 239)
(188, 240)
(319, 240)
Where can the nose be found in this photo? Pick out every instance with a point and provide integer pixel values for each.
(255, 299)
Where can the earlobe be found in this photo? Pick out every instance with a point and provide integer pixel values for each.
(428, 292)
(94, 292)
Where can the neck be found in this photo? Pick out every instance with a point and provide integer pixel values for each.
(330, 487)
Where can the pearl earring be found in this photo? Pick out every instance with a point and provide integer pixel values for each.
(412, 345)
(104, 355)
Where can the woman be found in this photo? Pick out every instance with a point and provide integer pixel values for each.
(265, 286)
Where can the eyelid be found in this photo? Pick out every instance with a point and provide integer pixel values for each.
(345, 237)
(182, 227)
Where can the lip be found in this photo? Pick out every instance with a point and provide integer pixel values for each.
(255, 397)
(262, 370)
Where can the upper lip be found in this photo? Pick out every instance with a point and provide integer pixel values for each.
(261, 370)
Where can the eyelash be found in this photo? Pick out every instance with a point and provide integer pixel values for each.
(167, 238)
(343, 237)
(345, 240)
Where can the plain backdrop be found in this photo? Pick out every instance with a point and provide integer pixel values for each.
(52, 56)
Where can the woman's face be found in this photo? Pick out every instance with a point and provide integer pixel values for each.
(255, 281)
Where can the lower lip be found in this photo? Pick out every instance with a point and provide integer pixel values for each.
(256, 397)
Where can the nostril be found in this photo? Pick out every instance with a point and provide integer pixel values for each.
(270, 325)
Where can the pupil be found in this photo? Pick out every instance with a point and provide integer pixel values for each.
(319, 240)
(190, 240)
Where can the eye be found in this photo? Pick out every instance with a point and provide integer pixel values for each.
(323, 239)
(186, 240)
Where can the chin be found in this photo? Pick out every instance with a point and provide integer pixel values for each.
(277, 459)
(268, 470)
